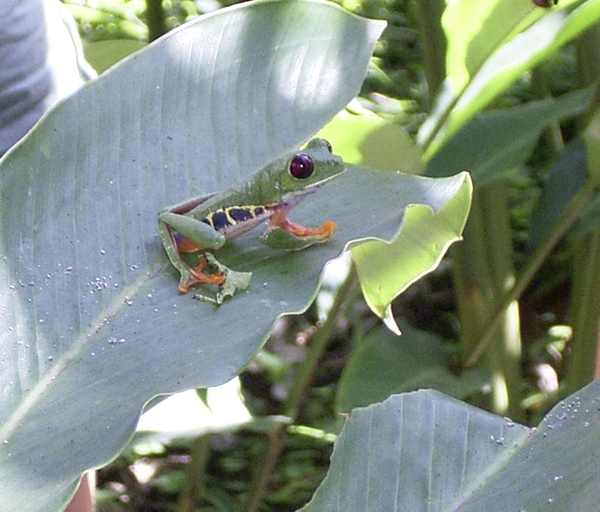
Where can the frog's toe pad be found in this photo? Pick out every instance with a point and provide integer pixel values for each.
(236, 282)
(233, 283)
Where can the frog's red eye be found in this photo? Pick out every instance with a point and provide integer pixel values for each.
(301, 166)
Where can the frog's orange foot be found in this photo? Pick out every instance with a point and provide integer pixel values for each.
(325, 231)
(199, 277)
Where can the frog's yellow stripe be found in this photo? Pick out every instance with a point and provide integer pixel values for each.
(225, 217)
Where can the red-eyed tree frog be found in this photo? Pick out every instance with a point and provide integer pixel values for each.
(203, 225)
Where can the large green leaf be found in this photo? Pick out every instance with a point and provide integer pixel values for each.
(478, 72)
(425, 451)
(92, 325)
(476, 30)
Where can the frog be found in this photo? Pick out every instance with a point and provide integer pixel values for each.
(204, 224)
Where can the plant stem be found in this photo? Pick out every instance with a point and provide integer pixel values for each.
(484, 272)
(194, 489)
(433, 40)
(302, 381)
(318, 345)
(566, 220)
(155, 17)
(585, 312)
(582, 363)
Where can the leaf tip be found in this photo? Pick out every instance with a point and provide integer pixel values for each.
(390, 322)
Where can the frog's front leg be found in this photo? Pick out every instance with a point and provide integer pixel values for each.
(324, 232)
(184, 234)
(282, 233)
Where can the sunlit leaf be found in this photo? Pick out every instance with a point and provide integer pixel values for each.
(386, 269)
(478, 80)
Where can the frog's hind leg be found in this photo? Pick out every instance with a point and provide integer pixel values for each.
(176, 244)
(197, 276)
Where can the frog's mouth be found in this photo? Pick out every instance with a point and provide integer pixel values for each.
(291, 199)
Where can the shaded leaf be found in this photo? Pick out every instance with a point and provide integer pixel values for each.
(425, 451)
(500, 140)
(566, 178)
(385, 364)
(417, 451)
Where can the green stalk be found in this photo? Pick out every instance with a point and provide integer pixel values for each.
(568, 217)
(483, 274)
(483, 261)
(194, 486)
(585, 313)
(278, 436)
(433, 41)
(155, 17)
(582, 363)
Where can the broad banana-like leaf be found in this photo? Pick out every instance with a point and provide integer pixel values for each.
(424, 451)
(91, 323)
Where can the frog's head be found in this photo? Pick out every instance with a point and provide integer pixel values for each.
(308, 168)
